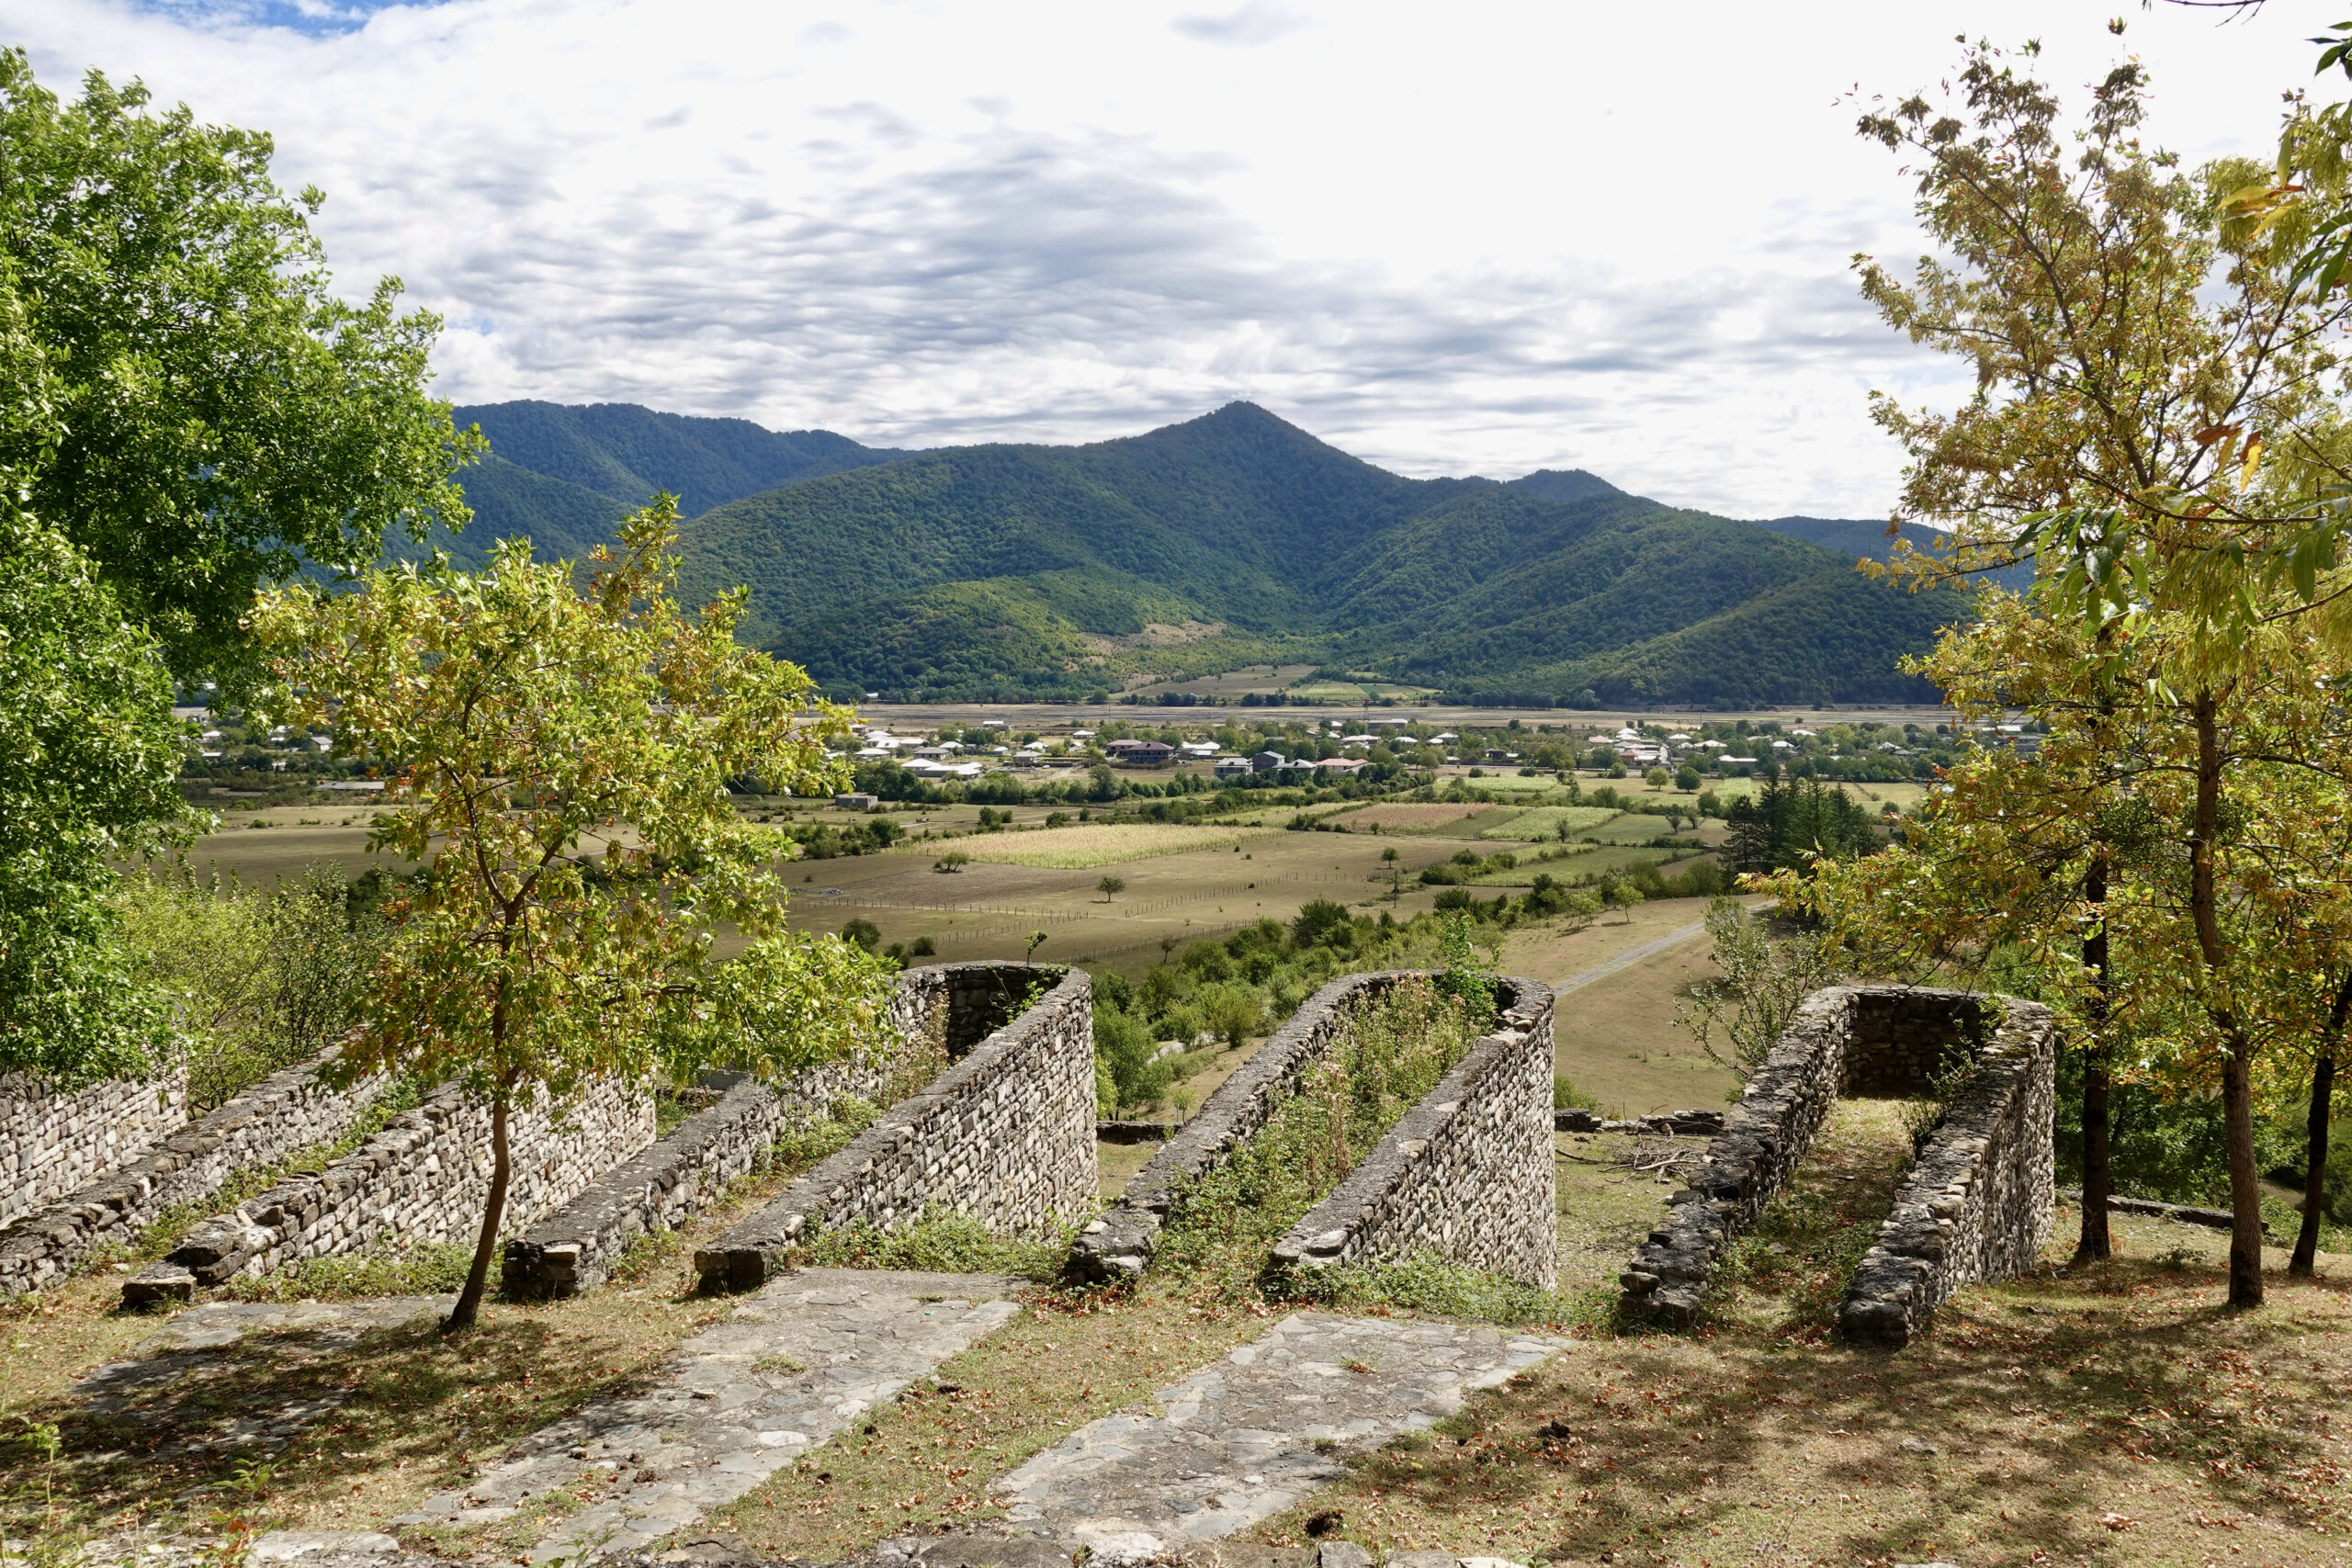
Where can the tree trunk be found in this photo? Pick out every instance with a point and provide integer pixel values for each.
(2306, 1255)
(2237, 1061)
(2314, 1169)
(2095, 1244)
(468, 1307)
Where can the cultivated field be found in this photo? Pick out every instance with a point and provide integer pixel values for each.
(1103, 843)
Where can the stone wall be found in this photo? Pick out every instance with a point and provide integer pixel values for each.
(423, 1177)
(575, 1248)
(1005, 1135)
(1121, 1242)
(52, 1144)
(273, 1120)
(1980, 1202)
(1468, 1173)
(1867, 1040)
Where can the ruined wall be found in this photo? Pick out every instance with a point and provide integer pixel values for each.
(1467, 1174)
(268, 1123)
(423, 1177)
(1867, 1040)
(575, 1248)
(1980, 1202)
(1005, 1135)
(1121, 1242)
(52, 1144)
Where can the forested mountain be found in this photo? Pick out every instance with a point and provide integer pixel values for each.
(1870, 541)
(1235, 538)
(562, 475)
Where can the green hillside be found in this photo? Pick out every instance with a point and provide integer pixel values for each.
(561, 475)
(1235, 538)
(1870, 541)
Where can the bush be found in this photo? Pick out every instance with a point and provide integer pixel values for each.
(1567, 1096)
(263, 978)
(865, 933)
(1320, 919)
(1123, 1047)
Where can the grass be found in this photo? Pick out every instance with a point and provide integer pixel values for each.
(1547, 821)
(1088, 845)
(927, 1460)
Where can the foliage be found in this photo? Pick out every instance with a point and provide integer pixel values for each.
(564, 760)
(2154, 426)
(1737, 1019)
(88, 760)
(222, 415)
(1422, 1282)
(1388, 1052)
(262, 979)
(1787, 825)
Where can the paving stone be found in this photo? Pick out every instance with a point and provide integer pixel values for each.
(1258, 1431)
(798, 1361)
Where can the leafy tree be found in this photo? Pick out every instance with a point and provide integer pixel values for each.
(1737, 1017)
(88, 757)
(1657, 778)
(2153, 427)
(1111, 887)
(562, 761)
(1687, 779)
(862, 933)
(221, 415)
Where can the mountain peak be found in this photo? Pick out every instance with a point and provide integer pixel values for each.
(1562, 484)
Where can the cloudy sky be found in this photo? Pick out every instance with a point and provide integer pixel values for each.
(1456, 238)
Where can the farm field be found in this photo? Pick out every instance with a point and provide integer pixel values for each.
(1102, 843)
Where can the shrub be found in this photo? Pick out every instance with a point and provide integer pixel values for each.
(1320, 919)
(865, 933)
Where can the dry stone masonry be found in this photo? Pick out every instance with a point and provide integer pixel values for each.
(1987, 1173)
(52, 1145)
(1979, 1202)
(423, 1177)
(274, 1118)
(575, 1248)
(1005, 1135)
(1121, 1242)
(1468, 1173)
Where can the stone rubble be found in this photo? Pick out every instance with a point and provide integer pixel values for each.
(794, 1364)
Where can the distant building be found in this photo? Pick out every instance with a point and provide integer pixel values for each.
(1140, 753)
(1340, 765)
(1232, 767)
(1267, 762)
(858, 801)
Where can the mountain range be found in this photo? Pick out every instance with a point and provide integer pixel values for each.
(1002, 572)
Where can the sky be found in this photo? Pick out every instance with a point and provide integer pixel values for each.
(1467, 238)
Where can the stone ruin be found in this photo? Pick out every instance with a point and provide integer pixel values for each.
(1467, 1173)
(1005, 1135)
(1005, 1132)
(1979, 1202)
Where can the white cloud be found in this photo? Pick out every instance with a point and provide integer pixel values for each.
(1488, 240)
(1259, 21)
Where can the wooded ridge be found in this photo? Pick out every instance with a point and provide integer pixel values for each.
(1005, 572)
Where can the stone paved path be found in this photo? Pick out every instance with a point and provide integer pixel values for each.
(180, 1358)
(1239, 1441)
(795, 1364)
